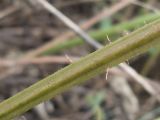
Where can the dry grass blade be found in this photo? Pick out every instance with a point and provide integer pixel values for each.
(69, 23)
(38, 60)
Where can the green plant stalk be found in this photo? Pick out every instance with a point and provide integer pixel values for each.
(101, 35)
(78, 72)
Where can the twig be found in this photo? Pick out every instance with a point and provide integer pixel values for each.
(140, 79)
(68, 22)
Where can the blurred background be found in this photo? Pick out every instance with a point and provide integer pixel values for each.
(35, 43)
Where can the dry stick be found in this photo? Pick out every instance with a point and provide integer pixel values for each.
(104, 13)
(8, 11)
(141, 80)
(16, 66)
(38, 60)
(69, 23)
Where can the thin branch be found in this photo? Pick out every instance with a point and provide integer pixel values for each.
(140, 79)
(38, 60)
(69, 23)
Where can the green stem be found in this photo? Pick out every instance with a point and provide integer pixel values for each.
(100, 35)
(87, 67)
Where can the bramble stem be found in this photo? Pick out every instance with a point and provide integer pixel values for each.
(93, 64)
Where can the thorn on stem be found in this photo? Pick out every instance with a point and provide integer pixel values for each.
(109, 40)
(107, 72)
(69, 58)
